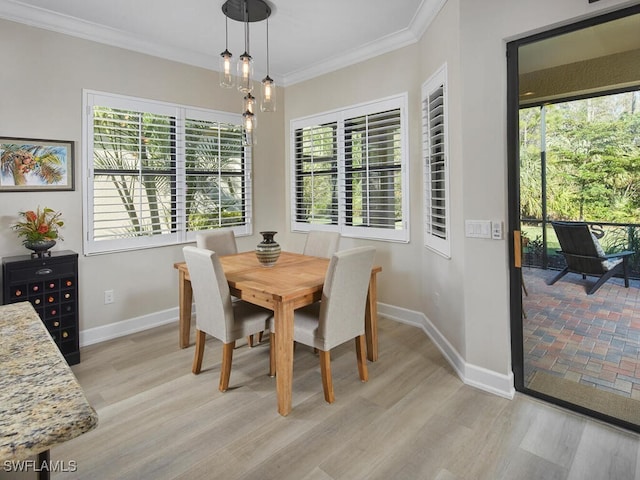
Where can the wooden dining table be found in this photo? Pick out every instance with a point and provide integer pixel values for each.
(294, 281)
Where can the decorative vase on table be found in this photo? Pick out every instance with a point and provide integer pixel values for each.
(40, 247)
(268, 250)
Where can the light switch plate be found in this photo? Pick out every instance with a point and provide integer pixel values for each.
(477, 228)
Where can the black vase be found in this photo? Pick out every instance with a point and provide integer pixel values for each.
(268, 250)
(40, 247)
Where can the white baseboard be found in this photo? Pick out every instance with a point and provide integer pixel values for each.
(127, 327)
(473, 375)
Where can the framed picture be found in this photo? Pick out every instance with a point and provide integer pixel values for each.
(28, 164)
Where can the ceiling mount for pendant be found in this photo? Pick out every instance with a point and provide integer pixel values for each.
(246, 10)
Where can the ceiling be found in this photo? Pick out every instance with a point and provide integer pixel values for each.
(306, 38)
(616, 36)
(588, 61)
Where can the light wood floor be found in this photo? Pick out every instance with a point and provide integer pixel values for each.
(414, 419)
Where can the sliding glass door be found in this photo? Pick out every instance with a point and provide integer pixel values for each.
(574, 149)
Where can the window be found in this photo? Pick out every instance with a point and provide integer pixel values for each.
(350, 171)
(157, 172)
(437, 235)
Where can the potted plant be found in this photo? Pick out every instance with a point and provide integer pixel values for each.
(39, 229)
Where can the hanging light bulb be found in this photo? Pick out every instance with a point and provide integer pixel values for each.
(249, 103)
(250, 123)
(226, 61)
(245, 63)
(268, 103)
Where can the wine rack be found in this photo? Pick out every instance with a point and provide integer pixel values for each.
(50, 283)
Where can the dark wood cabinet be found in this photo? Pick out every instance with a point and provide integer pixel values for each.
(50, 283)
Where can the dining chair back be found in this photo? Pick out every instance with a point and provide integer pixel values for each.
(222, 241)
(216, 314)
(321, 244)
(339, 316)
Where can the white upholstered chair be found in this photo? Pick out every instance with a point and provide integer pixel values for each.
(216, 314)
(321, 244)
(339, 316)
(223, 242)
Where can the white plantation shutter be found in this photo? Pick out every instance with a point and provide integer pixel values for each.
(373, 167)
(215, 175)
(133, 152)
(350, 170)
(436, 164)
(157, 172)
(316, 174)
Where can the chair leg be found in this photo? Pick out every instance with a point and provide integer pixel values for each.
(325, 370)
(601, 281)
(225, 368)
(250, 339)
(558, 276)
(362, 359)
(272, 354)
(625, 270)
(199, 351)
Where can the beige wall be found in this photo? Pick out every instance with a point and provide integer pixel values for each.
(464, 298)
(41, 96)
(485, 29)
(364, 82)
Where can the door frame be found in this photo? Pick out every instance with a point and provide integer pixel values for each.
(513, 190)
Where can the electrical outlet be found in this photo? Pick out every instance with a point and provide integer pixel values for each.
(108, 297)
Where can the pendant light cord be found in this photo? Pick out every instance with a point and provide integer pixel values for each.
(267, 46)
(246, 27)
(226, 33)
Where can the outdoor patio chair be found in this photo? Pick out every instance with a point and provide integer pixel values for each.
(584, 255)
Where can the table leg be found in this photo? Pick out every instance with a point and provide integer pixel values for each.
(371, 319)
(283, 317)
(185, 299)
(44, 462)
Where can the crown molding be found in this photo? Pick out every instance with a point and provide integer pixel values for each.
(46, 19)
(425, 14)
(17, 11)
(350, 57)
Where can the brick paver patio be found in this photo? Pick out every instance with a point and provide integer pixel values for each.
(590, 339)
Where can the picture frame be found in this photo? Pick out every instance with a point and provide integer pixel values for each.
(30, 165)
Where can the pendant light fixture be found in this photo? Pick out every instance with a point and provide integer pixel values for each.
(248, 103)
(245, 63)
(249, 119)
(247, 11)
(268, 103)
(226, 60)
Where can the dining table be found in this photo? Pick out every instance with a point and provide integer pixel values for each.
(294, 281)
